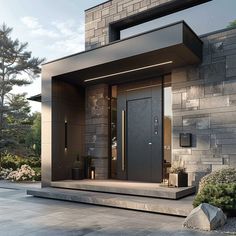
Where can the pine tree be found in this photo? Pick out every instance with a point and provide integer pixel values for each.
(17, 68)
(232, 24)
(33, 138)
(18, 120)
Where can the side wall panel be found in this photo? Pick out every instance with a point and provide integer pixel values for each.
(204, 103)
(68, 104)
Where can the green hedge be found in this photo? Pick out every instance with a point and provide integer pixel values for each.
(11, 161)
(38, 173)
(219, 195)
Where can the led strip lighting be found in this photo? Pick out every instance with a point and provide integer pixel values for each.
(128, 71)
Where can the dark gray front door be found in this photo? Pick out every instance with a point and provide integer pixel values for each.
(141, 143)
(139, 139)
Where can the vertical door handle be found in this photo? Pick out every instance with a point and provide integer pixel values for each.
(123, 141)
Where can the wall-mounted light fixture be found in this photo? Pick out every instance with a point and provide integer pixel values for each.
(92, 172)
(128, 71)
(66, 130)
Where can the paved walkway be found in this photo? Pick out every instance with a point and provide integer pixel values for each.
(25, 215)
(19, 185)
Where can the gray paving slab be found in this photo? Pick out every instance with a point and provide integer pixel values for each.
(22, 215)
(5, 184)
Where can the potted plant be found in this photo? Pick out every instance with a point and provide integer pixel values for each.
(178, 177)
(78, 170)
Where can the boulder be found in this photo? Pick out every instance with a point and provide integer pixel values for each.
(205, 217)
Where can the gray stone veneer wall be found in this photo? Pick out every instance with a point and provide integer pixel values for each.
(204, 104)
(97, 19)
(97, 128)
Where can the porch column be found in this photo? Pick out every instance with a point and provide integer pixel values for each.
(97, 121)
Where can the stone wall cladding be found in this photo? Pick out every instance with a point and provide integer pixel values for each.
(96, 133)
(97, 19)
(204, 104)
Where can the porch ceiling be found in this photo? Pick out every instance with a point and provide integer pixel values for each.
(153, 53)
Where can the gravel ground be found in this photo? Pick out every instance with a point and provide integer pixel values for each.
(229, 227)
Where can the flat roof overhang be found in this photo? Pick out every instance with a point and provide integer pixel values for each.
(152, 53)
(35, 98)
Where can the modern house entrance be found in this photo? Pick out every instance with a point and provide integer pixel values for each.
(113, 103)
(110, 104)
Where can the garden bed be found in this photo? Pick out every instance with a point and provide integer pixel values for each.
(15, 168)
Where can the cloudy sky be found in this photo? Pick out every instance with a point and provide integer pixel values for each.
(55, 28)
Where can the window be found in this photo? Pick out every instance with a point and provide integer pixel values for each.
(167, 119)
(113, 131)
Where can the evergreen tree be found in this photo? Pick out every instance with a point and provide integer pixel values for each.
(18, 124)
(34, 136)
(17, 68)
(232, 24)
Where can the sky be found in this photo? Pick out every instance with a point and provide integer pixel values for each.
(55, 28)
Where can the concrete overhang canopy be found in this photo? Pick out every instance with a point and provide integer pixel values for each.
(152, 53)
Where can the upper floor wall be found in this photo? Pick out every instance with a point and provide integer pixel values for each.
(125, 13)
(98, 19)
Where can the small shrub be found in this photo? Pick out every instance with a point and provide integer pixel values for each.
(4, 173)
(223, 176)
(37, 173)
(218, 189)
(9, 161)
(12, 161)
(177, 170)
(219, 195)
(25, 173)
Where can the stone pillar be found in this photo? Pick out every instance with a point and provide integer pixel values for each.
(97, 120)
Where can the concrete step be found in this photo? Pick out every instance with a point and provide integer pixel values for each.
(180, 207)
(126, 187)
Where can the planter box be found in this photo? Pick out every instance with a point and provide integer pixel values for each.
(77, 174)
(178, 180)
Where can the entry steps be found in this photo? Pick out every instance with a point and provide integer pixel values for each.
(155, 190)
(181, 207)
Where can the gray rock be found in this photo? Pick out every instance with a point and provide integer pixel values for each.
(205, 217)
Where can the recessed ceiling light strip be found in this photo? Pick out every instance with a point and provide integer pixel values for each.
(128, 71)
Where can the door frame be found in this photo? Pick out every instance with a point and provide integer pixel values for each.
(160, 80)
